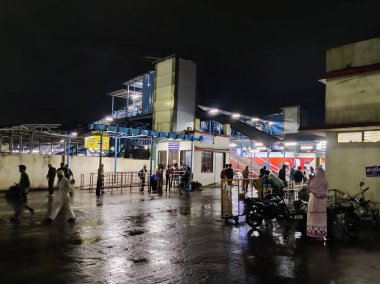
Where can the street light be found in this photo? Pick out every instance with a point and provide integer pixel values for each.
(109, 118)
(214, 111)
(236, 115)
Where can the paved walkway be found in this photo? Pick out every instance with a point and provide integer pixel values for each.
(142, 238)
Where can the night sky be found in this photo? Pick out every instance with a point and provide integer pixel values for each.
(58, 59)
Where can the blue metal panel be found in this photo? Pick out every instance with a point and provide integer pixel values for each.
(135, 131)
(145, 132)
(100, 127)
(164, 134)
(124, 130)
(181, 136)
(113, 128)
(154, 133)
(172, 135)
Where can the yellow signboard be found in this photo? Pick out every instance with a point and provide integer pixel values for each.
(93, 142)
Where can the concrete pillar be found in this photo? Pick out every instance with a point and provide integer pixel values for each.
(227, 129)
(197, 124)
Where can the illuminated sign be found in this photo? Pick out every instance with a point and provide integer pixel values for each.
(93, 142)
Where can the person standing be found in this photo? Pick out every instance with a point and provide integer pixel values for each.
(298, 176)
(168, 175)
(245, 173)
(229, 175)
(160, 176)
(51, 177)
(316, 214)
(282, 175)
(142, 175)
(63, 198)
(19, 194)
(68, 173)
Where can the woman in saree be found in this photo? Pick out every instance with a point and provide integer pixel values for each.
(316, 213)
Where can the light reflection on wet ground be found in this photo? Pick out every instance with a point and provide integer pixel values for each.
(138, 238)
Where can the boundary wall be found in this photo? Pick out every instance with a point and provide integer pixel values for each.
(37, 167)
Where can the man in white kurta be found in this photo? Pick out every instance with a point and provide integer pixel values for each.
(62, 198)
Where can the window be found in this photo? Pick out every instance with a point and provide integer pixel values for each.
(185, 157)
(372, 136)
(162, 158)
(207, 162)
(173, 157)
(348, 137)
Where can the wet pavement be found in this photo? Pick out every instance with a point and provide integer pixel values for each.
(142, 238)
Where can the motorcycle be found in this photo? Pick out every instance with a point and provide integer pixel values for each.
(272, 207)
(346, 219)
(366, 215)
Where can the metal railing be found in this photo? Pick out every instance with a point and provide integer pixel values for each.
(114, 181)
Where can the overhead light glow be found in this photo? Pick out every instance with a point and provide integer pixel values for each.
(74, 134)
(232, 145)
(258, 144)
(290, 143)
(255, 119)
(236, 115)
(214, 111)
(109, 118)
(270, 122)
(261, 148)
(62, 141)
(146, 147)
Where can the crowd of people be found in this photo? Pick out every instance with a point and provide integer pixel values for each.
(173, 173)
(315, 180)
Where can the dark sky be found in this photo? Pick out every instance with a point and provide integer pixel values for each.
(59, 58)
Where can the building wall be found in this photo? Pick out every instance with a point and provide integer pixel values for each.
(352, 55)
(37, 167)
(185, 97)
(353, 99)
(345, 166)
(219, 142)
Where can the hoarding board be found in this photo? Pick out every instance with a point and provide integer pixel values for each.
(93, 142)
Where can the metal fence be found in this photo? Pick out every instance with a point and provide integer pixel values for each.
(114, 181)
(123, 181)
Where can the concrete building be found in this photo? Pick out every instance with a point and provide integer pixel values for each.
(353, 117)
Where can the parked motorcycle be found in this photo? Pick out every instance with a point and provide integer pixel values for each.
(346, 219)
(366, 215)
(272, 207)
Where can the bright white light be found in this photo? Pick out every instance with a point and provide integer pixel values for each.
(282, 148)
(261, 148)
(270, 122)
(258, 144)
(232, 145)
(146, 147)
(112, 148)
(236, 115)
(244, 149)
(291, 144)
(35, 151)
(62, 141)
(74, 134)
(255, 119)
(306, 147)
(214, 110)
(109, 118)
(15, 151)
